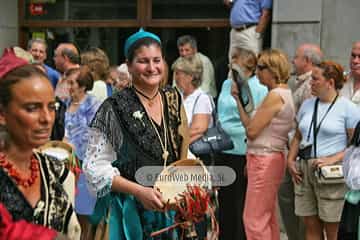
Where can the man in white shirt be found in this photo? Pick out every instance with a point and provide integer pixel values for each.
(187, 47)
(351, 88)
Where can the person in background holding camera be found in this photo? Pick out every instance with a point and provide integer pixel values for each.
(232, 198)
(330, 120)
(267, 135)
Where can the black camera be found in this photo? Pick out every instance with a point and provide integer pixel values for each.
(305, 151)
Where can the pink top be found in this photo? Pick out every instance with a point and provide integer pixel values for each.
(274, 136)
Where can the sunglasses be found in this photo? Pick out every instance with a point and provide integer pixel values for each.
(261, 67)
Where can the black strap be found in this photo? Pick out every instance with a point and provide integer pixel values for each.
(213, 112)
(316, 128)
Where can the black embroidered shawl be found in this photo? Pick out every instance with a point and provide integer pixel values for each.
(124, 122)
(53, 209)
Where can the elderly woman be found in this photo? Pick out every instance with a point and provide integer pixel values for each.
(232, 198)
(197, 103)
(142, 125)
(267, 134)
(124, 78)
(81, 108)
(319, 204)
(31, 185)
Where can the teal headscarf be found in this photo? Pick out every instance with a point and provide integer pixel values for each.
(136, 36)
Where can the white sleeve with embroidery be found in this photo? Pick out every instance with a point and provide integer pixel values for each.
(97, 164)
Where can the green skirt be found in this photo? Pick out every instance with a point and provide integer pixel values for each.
(128, 220)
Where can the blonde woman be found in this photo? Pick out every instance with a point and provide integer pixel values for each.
(267, 134)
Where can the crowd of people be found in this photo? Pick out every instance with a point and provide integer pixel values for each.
(118, 119)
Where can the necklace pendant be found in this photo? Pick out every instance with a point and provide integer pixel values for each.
(165, 155)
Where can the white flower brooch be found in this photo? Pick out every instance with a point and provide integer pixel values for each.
(139, 115)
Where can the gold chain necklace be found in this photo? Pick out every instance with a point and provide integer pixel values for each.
(165, 154)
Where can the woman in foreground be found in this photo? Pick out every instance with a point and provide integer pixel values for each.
(33, 188)
(142, 125)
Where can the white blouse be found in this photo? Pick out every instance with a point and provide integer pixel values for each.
(97, 164)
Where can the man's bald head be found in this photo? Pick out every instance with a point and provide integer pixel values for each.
(355, 60)
(307, 55)
(66, 56)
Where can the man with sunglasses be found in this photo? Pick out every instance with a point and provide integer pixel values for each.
(306, 56)
(351, 88)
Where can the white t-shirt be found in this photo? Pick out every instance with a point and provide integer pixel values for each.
(332, 136)
(203, 105)
(99, 90)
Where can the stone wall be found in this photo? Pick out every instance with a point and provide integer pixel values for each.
(8, 23)
(334, 24)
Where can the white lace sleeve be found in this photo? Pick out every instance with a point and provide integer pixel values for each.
(97, 164)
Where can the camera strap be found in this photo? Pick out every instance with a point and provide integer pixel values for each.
(316, 128)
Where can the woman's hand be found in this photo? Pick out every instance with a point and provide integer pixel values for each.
(150, 198)
(325, 161)
(294, 172)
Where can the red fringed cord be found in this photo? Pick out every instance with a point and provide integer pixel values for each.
(191, 208)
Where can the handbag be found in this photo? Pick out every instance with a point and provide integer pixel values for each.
(215, 139)
(331, 174)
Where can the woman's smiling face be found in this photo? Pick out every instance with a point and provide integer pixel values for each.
(147, 67)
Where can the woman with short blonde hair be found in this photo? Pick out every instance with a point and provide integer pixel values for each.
(267, 136)
(277, 63)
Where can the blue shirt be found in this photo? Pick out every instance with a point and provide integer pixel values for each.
(53, 75)
(76, 124)
(247, 11)
(332, 136)
(76, 131)
(228, 113)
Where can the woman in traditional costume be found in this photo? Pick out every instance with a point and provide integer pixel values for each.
(141, 125)
(33, 188)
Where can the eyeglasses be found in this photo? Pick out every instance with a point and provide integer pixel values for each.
(261, 67)
(353, 55)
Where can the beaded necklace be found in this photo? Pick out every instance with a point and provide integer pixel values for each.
(14, 173)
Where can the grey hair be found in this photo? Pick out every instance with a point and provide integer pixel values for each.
(313, 55)
(72, 55)
(187, 39)
(36, 40)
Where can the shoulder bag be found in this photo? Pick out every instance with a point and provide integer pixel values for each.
(215, 139)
